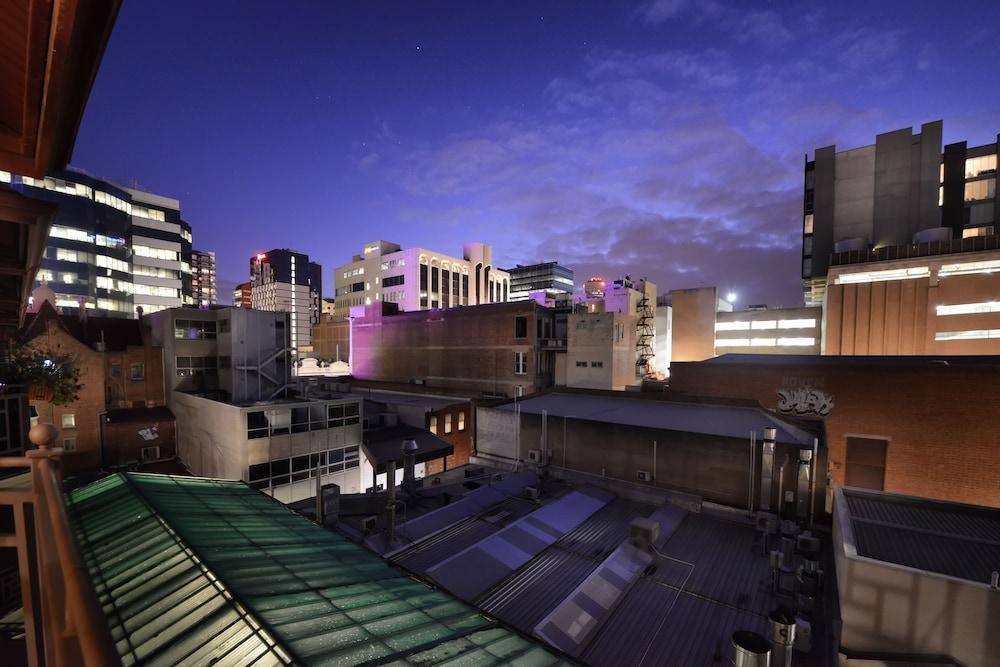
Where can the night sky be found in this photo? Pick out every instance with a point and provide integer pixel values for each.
(661, 139)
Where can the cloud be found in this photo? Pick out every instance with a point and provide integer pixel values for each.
(658, 11)
(763, 27)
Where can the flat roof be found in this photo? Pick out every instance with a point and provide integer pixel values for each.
(382, 445)
(201, 571)
(952, 539)
(390, 397)
(707, 418)
(854, 360)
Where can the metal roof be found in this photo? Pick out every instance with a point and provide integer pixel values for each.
(853, 360)
(935, 536)
(193, 571)
(707, 418)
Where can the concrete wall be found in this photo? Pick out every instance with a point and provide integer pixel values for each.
(211, 437)
(693, 324)
(854, 194)
(605, 344)
(887, 608)
(664, 338)
(941, 421)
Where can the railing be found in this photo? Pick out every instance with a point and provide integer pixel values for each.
(910, 250)
(64, 623)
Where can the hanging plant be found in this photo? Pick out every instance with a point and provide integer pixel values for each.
(50, 376)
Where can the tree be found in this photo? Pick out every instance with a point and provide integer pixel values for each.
(50, 376)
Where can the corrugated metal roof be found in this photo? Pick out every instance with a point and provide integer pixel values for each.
(947, 538)
(710, 419)
(191, 571)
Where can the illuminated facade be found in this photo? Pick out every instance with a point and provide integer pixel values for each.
(901, 190)
(548, 277)
(286, 281)
(419, 279)
(113, 249)
(203, 278)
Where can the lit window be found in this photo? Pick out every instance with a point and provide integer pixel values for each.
(879, 276)
(447, 423)
(150, 213)
(433, 426)
(966, 268)
(60, 232)
(977, 166)
(972, 334)
(977, 231)
(137, 372)
(732, 342)
(732, 326)
(763, 342)
(984, 189)
(68, 278)
(764, 324)
(106, 262)
(5, 176)
(63, 255)
(969, 308)
(520, 363)
(807, 224)
(796, 342)
(69, 420)
(796, 324)
(113, 202)
(461, 421)
(156, 253)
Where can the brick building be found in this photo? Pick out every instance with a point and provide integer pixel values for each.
(119, 417)
(489, 350)
(921, 426)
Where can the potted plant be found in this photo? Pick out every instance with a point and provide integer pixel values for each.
(50, 376)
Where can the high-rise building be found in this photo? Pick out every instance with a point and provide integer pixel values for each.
(898, 191)
(286, 281)
(241, 295)
(111, 248)
(203, 284)
(419, 279)
(550, 277)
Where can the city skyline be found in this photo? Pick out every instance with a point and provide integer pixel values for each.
(595, 138)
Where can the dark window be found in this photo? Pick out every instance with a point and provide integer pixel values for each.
(435, 280)
(336, 456)
(256, 425)
(423, 277)
(137, 372)
(392, 281)
(300, 463)
(224, 326)
(445, 282)
(465, 286)
(520, 327)
(479, 274)
(279, 467)
(358, 287)
(456, 287)
(194, 329)
(351, 409)
(504, 291)
(260, 471)
(866, 463)
(116, 370)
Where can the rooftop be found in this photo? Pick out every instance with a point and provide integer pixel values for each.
(712, 419)
(952, 539)
(198, 571)
(852, 360)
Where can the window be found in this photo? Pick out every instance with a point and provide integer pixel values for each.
(984, 189)
(137, 372)
(520, 363)
(224, 326)
(433, 427)
(807, 265)
(392, 281)
(732, 326)
(732, 342)
(797, 324)
(189, 366)
(977, 166)
(194, 330)
(807, 224)
(520, 327)
(447, 423)
(461, 421)
(105, 262)
(581, 364)
(149, 454)
(116, 370)
(69, 420)
(597, 364)
(807, 245)
(69, 444)
(63, 255)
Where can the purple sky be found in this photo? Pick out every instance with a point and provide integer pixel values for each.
(662, 139)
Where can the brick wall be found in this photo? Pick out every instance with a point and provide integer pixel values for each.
(941, 420)
(460, 440)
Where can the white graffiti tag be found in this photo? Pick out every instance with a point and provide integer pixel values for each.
(803, 400)
(149, 434)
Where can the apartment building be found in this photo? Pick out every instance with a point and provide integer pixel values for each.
(203, 278)
(418, 278)
(549, 277)
(110, 248)
(286, 281)
(900, 190)
(241, 295)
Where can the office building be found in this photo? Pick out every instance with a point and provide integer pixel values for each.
(113, 249)
(419, 279)
(548, 277)
(241, 295)
(902, 189)
(203, 279)
(286, 281)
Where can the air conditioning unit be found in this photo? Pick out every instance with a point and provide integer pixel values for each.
(531, 493)
(535, 455)
(149, 454)
(368, 524)
(644, 475)
(643, 533)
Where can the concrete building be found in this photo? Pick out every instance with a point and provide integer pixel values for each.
(930, 298)
(492, 350)
(418, 278)
(913, 576)
(203, 278)
(112, 248)
(631, 297)
(237, 355)
(902, 189)
(548, 277)
(241, 295)
(326, 308)
(119, 417)
(286, 281)
(600, 351)
(916, 425)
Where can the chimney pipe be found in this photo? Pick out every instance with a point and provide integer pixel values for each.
(750, 649)
(390, 502)
(782, 637)
(409, 463)
(767, 468)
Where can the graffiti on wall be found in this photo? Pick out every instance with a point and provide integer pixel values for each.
(805, 400)
(149, 434)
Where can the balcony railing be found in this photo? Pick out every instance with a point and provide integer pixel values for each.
(910, 250)
(64, 623)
